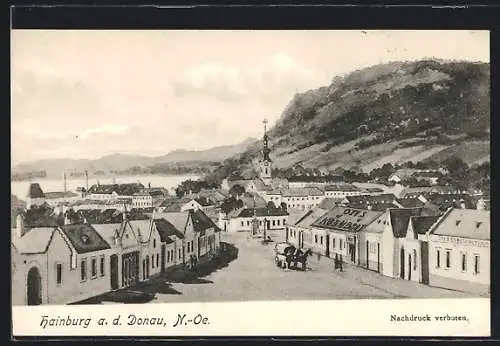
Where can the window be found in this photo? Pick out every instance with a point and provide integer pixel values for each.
(242, 223)
(278, 221)
(438, 258)
(154, 243)
(321, 240)
(59, 273)
(476, 264)
(192, 245)
(340, 244)
(248, 223)
(168, 256)
(152, 261)
(189, 247)
(464, 262)
(333, 242)
(94, 268)
(274, 222)
(102, 266)
(316, 238)
(448, 258)
(83, 270)
(157, 260)
(180, 254)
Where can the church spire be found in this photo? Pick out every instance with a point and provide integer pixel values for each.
(266, 150)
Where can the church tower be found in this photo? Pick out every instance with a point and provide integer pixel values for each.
(265, 165)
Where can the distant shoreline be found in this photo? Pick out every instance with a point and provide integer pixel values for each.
(80, 177)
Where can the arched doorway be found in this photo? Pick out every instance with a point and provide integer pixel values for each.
(34, 287)
(402, 264)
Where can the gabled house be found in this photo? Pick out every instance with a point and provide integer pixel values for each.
(460, 250)
(199, 203)
(395, 257)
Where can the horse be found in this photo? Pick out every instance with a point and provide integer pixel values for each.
(301, 257)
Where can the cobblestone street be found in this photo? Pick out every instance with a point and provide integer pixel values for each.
(254, 276)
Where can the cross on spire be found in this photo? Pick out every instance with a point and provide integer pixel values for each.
(265, 124)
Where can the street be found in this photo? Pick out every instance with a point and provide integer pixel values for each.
(254, 276)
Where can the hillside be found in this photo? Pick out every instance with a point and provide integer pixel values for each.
(395, 112)
(189, 159)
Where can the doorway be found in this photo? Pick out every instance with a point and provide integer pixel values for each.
(113, 264)
(367, 255)
(409, 266)
(352, 253)
(378, 257)
(34, 287)
(327, 251)
(402, 264)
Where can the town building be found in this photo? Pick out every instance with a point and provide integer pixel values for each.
(417, 250)
(344, 226)
(35, 196)
(241, 219)
(115, 191)
(302, 234)
(394, 256)
(58, 264)
(198, 203)
(342, 190)
(297, 199)
(459, 251)
(405, 173)
(148, 198)
(319, 181)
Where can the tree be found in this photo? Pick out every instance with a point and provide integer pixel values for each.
(271, 205)
(239, 203)
(237, 191)
(283, 206)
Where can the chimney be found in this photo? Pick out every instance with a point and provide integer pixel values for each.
(86, 181)
(64, 182)
(19, 225)
(149, 185)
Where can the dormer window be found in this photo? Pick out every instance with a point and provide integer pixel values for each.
(457, 222)
(478, 224)
(85, 239)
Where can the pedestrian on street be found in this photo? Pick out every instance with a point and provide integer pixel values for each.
(340, 265)
(319, 256)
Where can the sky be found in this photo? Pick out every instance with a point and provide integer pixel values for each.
(86, 94)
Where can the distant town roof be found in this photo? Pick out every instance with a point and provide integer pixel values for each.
(55, 195)
(120, 189)
(411, 202)
(371, 199)
(310, 217)
(260, 212)
(201, 222)
(302, 192)
(329, 203)
(315, 179)
(342, 187)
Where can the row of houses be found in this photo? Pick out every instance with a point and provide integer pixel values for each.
(450, 250)
(134, 195)
(60, 264)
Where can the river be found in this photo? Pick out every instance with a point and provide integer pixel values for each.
(170, 182)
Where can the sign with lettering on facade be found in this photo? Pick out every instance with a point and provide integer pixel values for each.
(346, 219)
(462, 241)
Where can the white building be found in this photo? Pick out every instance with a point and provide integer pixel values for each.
(241, 219)
(198, 204)
(300, 199)
(342, 190)
(459, 251)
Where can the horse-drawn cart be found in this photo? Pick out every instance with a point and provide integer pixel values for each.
(287, 256)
